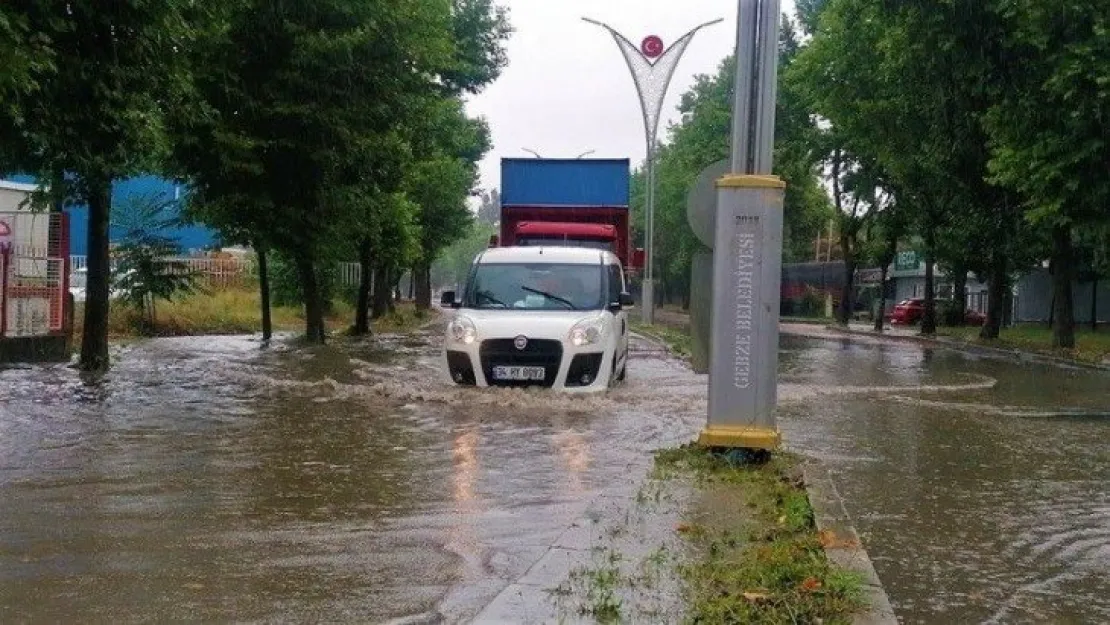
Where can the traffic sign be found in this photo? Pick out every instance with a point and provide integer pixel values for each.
(701, 202)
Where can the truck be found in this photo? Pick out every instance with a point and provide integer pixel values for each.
(568, 203)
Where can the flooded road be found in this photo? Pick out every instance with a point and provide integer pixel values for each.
(985, 497)
(208, 480)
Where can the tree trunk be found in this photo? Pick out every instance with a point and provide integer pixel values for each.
(1094, 304)
(395, 290)
(881, 312)
(996, 300)
(959, 294)
(848, 292)
(1008, 307)
(382, 293)
(1063, 322)
(365, 278)
(412, 283)
(94, 341)
(929, 319)
(422, 277)
(264, 291)
(313, 302)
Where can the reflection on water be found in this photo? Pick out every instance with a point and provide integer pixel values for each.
(206, 479)
(981, 503)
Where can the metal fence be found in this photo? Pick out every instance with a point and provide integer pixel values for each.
(221, 272)
(32, 273)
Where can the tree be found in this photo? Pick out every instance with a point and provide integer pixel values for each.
(856, 200)
(453, 264)
(700, 138)
(441, 183)
(147, 271)
(489, 211)
(97, 111)
(302, 104)
(884, 232)
(1047, 128)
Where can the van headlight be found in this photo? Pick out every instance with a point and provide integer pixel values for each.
(587, 332)
(462, 330)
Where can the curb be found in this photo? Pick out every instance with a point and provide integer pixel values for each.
(842, 544)
(971, 348)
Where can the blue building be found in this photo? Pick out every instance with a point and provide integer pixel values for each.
(124, 194)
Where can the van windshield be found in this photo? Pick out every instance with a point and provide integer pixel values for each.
(539, 286)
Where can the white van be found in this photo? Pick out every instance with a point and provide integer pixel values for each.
(539, 316)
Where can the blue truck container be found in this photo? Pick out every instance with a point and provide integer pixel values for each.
(565, 182)
(578, 202)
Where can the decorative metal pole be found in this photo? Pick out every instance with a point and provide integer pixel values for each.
(652, 66)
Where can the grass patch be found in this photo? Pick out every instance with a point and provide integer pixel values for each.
(237, 311)
(771, 569)
(822, 320)
(679, 342)
(1091, 347)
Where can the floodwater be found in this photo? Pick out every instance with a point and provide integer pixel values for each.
(983, 496)
(207, 480)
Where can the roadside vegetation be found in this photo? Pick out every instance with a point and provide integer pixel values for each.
(760, 559)
(238, 311)
(678, 341)
(314, 131)
(971, 135)
(1090, 346)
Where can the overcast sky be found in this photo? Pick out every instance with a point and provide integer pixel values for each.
(567, 89)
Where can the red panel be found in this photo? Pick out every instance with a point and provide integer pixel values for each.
(617, 217)
(603, 232)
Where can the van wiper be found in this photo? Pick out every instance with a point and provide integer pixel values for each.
(491, 299)
(561, 300)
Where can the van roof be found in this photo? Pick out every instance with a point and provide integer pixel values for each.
(546, 254)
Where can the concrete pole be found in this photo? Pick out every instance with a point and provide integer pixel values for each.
(747, 250)
(766, 85)
(746, 30)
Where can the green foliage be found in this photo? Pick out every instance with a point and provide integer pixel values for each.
(701, 138)
(85, 99)
(489, 212)
(147, 271)
(1047, 124)
(99, 100)
(439, 183)
(480, 29)
(285, 283)
(453, 264)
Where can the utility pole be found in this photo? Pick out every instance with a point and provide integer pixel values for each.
(747, 250)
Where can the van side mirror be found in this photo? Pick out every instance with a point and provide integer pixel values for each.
(625, 301)
(447, 300)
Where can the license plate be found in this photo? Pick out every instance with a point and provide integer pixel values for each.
(529, 374)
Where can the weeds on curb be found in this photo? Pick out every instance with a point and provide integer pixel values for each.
(770, 570)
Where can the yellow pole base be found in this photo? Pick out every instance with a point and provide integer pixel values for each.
(740, 438)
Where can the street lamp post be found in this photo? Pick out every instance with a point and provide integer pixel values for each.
(652, 66)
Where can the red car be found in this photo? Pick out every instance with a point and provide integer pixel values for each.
(909, 312)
